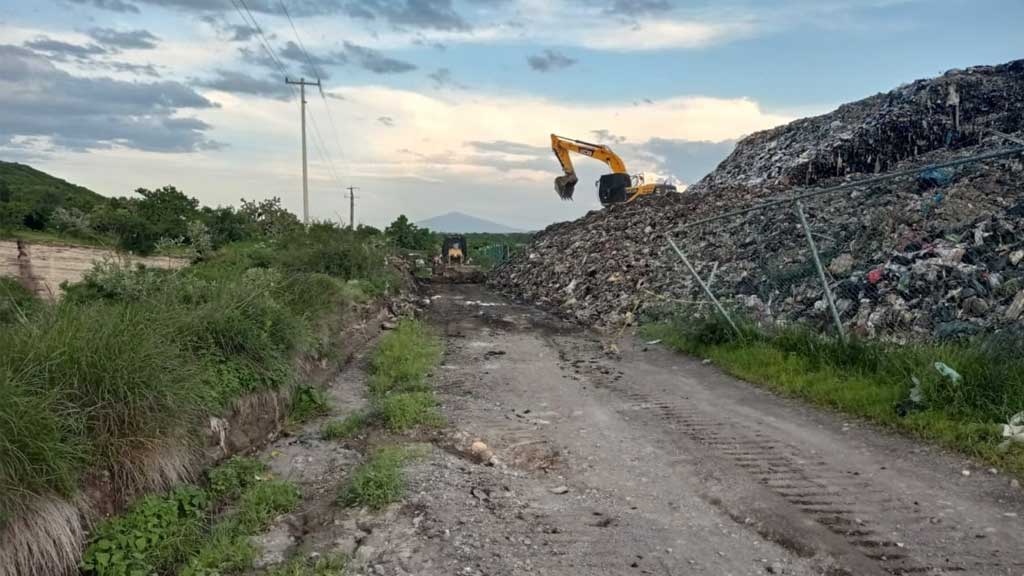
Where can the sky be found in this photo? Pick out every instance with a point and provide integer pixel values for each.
(430, 106)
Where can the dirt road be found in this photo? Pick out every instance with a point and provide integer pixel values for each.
(648, 462)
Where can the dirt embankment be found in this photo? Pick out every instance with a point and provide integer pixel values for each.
(43, 267)
(47, 536)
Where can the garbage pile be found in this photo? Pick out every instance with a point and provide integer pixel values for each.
(933, 256)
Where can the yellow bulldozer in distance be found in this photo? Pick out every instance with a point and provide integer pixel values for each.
(614, 188)
(452, 267)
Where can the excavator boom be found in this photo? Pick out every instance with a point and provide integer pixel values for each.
(565, 185)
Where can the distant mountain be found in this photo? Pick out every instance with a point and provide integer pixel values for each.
(459, 223)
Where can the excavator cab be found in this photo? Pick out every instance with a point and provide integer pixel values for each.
(612, 188)
(453, 250)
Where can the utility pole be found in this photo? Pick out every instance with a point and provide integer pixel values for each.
(305, 171)
(352, 206)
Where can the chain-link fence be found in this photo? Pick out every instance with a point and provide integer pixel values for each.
(925, 253)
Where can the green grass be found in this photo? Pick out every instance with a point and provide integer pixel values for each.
(403, 359)
(345, 428)
(134, 359)
(873, 380)
(404, 410)
(308, 402)
(178, 533)
(378, 482)
(229, 480)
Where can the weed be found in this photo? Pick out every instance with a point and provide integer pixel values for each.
(378, 482)
(324, 566)
(308, 402)
(263, 502)
(230, 479)
(405, 410)
(227, 549)
(403, 359)
(347, 428)
(154, 536)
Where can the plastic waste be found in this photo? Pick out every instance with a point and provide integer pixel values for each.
(952, 375)
(1013, 431)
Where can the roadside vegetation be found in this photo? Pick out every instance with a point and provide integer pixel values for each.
(957, 394)
(400, 396)
(194, 530)
(133, 360)
(378, 482)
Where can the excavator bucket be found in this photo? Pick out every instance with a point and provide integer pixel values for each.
(566, 185)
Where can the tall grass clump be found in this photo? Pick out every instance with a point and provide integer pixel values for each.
(17, 303)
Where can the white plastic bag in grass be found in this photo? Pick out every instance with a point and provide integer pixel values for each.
(1014, 430)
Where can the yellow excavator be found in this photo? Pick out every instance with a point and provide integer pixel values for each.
(614, 188)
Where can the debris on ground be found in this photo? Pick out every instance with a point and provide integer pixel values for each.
(937, 256)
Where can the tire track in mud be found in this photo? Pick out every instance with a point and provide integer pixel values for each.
(842, 502)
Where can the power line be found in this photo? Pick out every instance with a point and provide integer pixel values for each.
(319, 75)
(265, 43)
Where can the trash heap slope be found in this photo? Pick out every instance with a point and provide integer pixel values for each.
(932, 256)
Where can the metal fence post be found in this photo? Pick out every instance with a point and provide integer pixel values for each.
(821, 271)
(707, 291)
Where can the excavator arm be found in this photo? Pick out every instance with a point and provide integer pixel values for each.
(565, 185)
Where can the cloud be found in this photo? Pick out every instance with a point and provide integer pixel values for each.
(61, 51)
(443, 78)
(549, 60)
(428, 14)
(295, 7)
(241, 33)
(376, 62)
(507, 147)
(386, 121)
(241, 83)
(686, 159)
(131, 68)
(126, 40)
(39, 100)
(604, 136)
(314, 66)
(662, 34)
(112, 5)
(639, 7)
